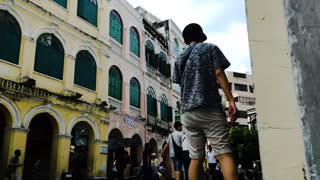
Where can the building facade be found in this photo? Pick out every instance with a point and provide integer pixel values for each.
(83, 79)
(242, 88)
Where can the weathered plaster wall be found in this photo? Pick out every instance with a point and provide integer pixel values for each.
(304, 35)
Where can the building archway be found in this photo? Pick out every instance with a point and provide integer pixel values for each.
(136, 152)
(153, 146)
(115, 136)
(41, 150)
(5, 122)
(81, 150)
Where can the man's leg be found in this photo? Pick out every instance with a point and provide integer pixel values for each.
(195, 169)
(228, 166)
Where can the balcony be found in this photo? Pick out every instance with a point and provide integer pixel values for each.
(135, 111)
(115, 103)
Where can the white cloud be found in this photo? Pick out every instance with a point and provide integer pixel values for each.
(234, 44)
(218, 19)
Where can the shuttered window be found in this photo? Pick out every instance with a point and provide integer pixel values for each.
(88, 10)
(49, 59)
(62, 3)
(150, 56)
(162, 63)
(85, 70)
(151, 102)
(115, 83)
(134, 42)
(115, 26)
(10, 38)
(166, 111)
(134, 93)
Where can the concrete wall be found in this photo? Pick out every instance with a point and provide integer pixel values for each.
(303, 18)
(284, 45)
(279, 125)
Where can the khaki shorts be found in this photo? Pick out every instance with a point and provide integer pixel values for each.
(206, 125)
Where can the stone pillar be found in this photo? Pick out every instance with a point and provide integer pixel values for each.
(97, 162)
(63, 143)
(284, 46)
(125, 108)
(27, 56)
(17, 139)
(69, 71)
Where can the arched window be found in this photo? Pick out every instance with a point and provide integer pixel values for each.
(166, 111)
(62, 3)
(134, 93)
(115, 83)
(115, 26)
(151, 101)
(85, 70)
(162, 63)
(150, 54)
(88, 10)
(10, 38)
(49, 58)
(134, 42)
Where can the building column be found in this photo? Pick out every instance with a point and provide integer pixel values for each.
(16, 138)
(72, 7)
(69, 69)
(27, 56)
(97, 162)
(125, 108)
(62, 144)
(143, 109)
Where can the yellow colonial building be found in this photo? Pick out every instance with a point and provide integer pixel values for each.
(53, 86)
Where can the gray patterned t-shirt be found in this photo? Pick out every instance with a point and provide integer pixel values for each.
(198, 83)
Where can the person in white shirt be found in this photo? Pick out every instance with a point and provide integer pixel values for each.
(212, 163)
(174, 145)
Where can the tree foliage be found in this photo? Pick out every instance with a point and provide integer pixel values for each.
(245, 145)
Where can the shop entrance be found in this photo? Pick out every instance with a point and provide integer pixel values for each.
(80, 149)
(40, 156)
(5, 122)
(153, 146)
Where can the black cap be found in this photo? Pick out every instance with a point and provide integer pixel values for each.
(193, 32)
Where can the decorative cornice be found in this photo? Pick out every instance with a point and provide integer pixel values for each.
(18, 129)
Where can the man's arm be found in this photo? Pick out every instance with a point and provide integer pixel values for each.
(224, 83)
(165, 150)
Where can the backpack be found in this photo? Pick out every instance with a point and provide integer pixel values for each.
(177, 149)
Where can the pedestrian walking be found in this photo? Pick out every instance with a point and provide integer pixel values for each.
(198, 70)
(11, 173)
(212, 163)
(174, 145)
(185, 157)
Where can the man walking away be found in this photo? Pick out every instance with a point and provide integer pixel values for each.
(174, 144)
(198, 70)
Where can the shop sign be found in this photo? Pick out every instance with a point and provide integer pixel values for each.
(128, 120)
(103, 150)
(21, 88)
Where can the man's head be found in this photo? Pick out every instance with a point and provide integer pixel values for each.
(193, 32)
(210, 148)
(17, 152)
(177, 126)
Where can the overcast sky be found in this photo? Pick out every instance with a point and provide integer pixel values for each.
(223, 21)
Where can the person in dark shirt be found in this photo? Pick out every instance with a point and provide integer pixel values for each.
(13, 166)
(198, 70)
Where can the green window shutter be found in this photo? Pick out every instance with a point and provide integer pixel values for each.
(168, 71)
(115, 26)
(134, 93)
(85, 70)
(49, 58)
(151, 105)
(134, 42)
(88, 10)
(62, 3)
(10, 38)
(115, 83)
